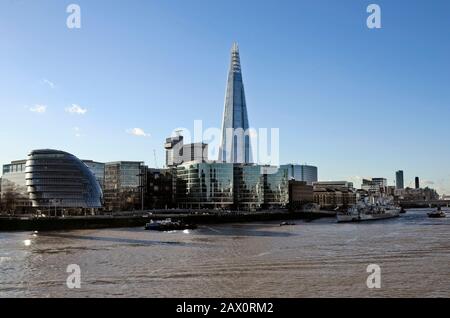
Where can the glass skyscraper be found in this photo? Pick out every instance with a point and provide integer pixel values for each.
(399, 183)
(235, 143)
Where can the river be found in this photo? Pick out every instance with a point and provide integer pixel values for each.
(310, 259)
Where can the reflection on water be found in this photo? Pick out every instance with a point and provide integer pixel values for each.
(314, 259)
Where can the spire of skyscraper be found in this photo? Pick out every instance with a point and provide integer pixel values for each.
(235, 144)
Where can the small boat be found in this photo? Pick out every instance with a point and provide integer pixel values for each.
(437, 214)
(169, 225)
(402, 210)
(287, 223)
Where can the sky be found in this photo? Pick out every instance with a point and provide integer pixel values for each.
(354, 101)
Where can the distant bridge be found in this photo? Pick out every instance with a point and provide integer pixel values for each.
(421, 203)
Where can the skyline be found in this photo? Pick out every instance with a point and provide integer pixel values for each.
(127, 83)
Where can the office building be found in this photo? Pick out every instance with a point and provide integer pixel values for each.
(218, 185)
(125, 183)
(300, 193)
(235, 143)
(375, 186)
(174, 151)
(276, 187)
(302, 173)
(159, 189)
(334, 184)
(195, 152)
(14, 195)
(177, 152)
(98, 169)
(57, 179)
(248, 187)
(399, 180)
(204, 185)
(332, 198)
(417, 182)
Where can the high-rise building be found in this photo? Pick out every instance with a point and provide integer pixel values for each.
(174, 151)
(304, 173)
(399, 181)
(417, 183)
(178, 153)
(195, 152)
(375, 186)
(235, 143)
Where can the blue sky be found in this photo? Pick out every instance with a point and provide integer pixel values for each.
(353, 101)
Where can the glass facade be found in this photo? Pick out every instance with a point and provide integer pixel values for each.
(124, 183)
(302, 173)
(204, 185)
(235, 144)
(231, 186)
(98, 169)
(276, 186)
(58, 179)
(399, 183)
(248, 187)
(14, 195)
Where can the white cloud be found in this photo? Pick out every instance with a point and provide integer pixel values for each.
(139, 132)
(76, 109)
(49, 83)
(38, 109)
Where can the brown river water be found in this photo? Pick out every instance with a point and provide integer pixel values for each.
(310, 259)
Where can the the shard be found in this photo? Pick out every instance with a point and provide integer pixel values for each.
(235, 143)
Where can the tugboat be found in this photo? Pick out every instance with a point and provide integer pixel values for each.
(169, 225)
(362, 211)
(437, 214)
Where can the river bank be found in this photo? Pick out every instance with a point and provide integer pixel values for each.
(140, 219)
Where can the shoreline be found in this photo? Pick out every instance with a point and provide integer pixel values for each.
(17, 223)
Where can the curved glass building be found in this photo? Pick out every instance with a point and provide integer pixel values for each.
(59, 179)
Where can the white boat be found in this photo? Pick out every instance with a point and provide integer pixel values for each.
(368, 212)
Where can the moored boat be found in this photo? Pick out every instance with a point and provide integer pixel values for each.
(437, 214)
(368, 212)
(287, 223)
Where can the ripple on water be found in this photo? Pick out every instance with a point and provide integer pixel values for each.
(319, 258)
